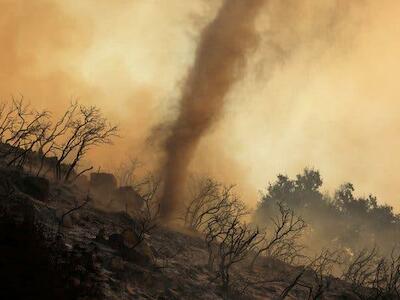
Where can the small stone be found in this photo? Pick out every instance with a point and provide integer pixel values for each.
(116, 240)
(101, 235)
(117, 264)
(67, 222)
(130, 238)
(75, 282)
(36, 187)
(75, 216)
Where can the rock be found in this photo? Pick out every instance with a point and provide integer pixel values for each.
(7, 189)
(75, 216)
(116, 241)
(140, 254)
(103, 182)
(102, 186)
(36, 187)
(145, 249)
(67, 222)
(117, 264)
(101, 235)
(75, 282)
(130, 238)
(82, 182)
(169, 294)
(128, 198)
(127, 239)
(29, 214)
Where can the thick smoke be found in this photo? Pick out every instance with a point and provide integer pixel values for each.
(218, 64)
(320, 90)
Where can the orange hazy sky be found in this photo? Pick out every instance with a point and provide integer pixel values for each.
(321, 90)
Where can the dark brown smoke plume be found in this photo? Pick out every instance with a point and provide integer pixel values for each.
(220, 58)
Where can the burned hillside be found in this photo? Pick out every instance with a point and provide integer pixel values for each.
(94, 239)
(84, 252)
(131, 157)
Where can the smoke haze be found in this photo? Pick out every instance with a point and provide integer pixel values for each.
(319, 90)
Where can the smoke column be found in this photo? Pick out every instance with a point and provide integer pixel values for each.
(219, 62)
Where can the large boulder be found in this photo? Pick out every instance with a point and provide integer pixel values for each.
(82, 182)
(132, 249)
(36, 187)
(102, 186)
(128, 198)
(103, 181)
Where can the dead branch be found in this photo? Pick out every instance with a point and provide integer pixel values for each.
(373, 276)
(237, 241)
(75, 208)
(87, 128)
(320, 267)
(148, 217)
(208, 199)
(125, 173)
(282, 243)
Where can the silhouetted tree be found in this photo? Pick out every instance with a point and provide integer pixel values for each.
(22, 128)
(125, 172)
(236, 242)
(281, 239)
(373, 276)
(217, 221)
(210, 198)
(342, 220)
(86, 129)
(146, 220)
(54, 134)
(315, 274)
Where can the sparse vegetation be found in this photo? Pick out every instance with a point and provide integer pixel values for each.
(341, 221)
(86, 128)
(235, 243)
(373, 276)
(229, 241)
(147, 219)
(234, 258)
(125, 172)
(209, 199)
(281, 241)
(31, 138)
(315, 274)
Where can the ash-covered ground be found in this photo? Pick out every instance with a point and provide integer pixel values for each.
(59, 242)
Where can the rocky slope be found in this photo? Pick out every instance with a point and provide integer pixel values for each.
(52, 248)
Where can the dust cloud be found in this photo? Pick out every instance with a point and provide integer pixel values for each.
(219, 62)
(319, 88)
